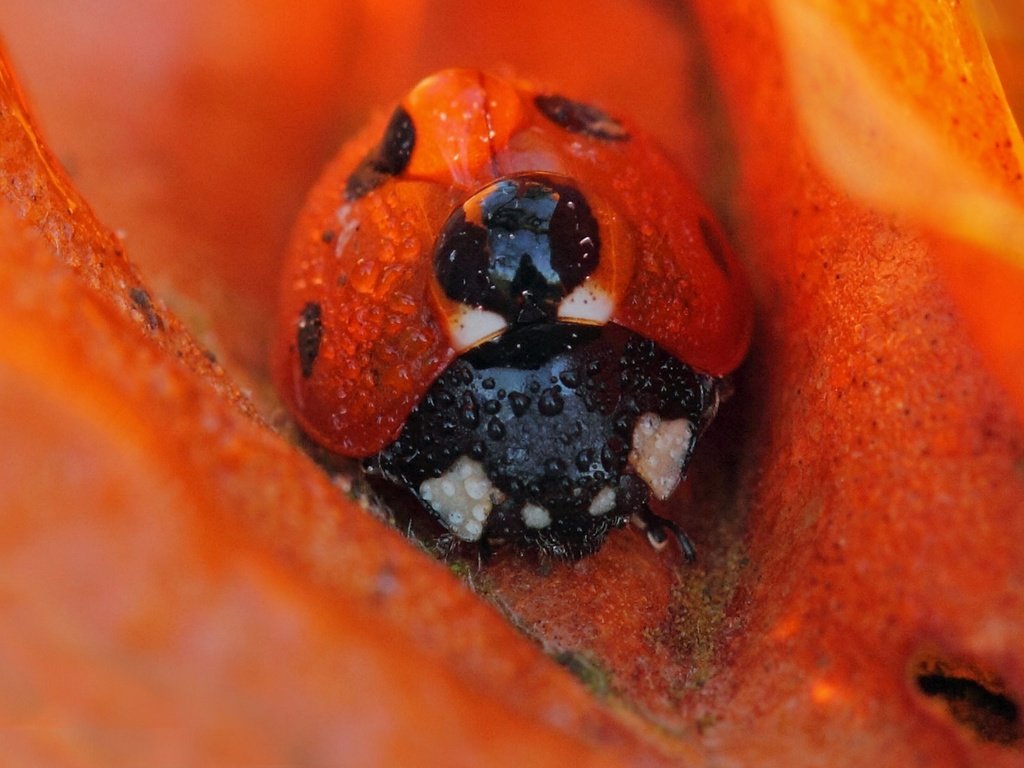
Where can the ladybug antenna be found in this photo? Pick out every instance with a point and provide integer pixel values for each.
(658, 529)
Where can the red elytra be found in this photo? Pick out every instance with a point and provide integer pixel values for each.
(366, 263)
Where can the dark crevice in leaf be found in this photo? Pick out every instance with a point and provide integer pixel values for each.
(975, 700)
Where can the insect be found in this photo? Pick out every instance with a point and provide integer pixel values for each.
(512, 305)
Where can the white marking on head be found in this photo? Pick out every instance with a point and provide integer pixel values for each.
(462, 498)
(603, 502)
(659, 450)
(471, 326)
(535, 516)
(587, 303)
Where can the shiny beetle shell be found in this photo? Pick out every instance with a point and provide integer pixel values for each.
(358, 278)
(385, 287)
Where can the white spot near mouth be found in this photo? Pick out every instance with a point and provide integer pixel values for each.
(535, 516)
(471, 326)
(462, 498)
(603, 502)
(659, 451)
(588, 304)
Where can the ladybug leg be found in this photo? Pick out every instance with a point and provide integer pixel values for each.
(484, 553)
(658, 529)
(445, 545)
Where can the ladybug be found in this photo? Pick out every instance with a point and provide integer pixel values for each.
(512, 305)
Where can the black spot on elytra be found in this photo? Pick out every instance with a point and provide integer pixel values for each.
(387, 159)
(518, 246)
(579, 117)
(140, 298)
(714, 243)
(310, 331)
